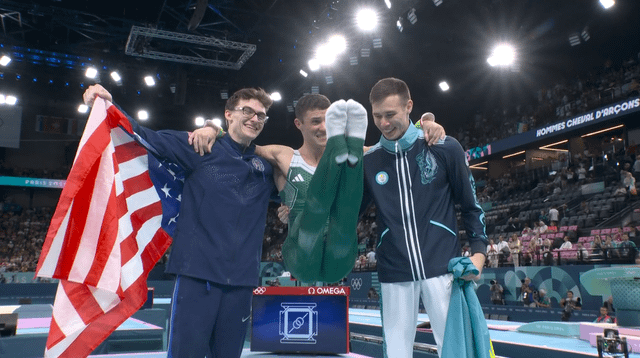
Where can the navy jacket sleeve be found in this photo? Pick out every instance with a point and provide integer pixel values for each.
(170, 145)
(464, 193)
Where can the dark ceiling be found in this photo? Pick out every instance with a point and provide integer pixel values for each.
(448, 42)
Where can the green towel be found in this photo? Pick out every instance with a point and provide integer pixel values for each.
(466, 333)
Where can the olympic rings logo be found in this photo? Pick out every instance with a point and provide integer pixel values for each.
(260, 290)
(356, 283)
(311, 291)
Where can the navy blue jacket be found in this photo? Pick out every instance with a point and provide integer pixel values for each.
(223, 211)
(415, 188)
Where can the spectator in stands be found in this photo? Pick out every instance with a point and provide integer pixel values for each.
(583, 253)
(584, 208)
(627, 247)
(492, 254)
(529, 253)
(527, 230)
(543, 300)
(497, 293)
(503, 250)
(566, 245)
(542, 227)
(620, 190)
(604, 316)
(636, 168)
(515, 247)
(608, 247)
(547, 254)
(597, 248)
(371, 259)
(543, 218)
(513, 224)
(582, 174)
(373, 294)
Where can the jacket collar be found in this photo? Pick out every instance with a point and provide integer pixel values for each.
(241, 149)
(404, 143)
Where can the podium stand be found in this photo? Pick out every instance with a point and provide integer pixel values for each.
(621, 282)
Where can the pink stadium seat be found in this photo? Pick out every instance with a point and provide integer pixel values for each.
(566, 228)
(560, 235)
(615, 230)
(605, 231)
(595, 232)
(573, 228)
(626, 229)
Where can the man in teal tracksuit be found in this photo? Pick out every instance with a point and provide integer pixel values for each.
(415, 188)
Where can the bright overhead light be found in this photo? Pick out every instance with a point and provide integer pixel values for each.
(199, 121)
(276, 96)
(143, 115)
(607, 3)
(338, 44)
(314, 64)
(91, 72)
(217, 122)
(149, 81)
(592, 133)
(11, 100)
(116, 76)
(2, 99)
(444, 86)
(513, 154)
(388, 3)
(83, 108)
(5, 60)
(304, 74)
(325, 55)
(367, 19)
(503, 55)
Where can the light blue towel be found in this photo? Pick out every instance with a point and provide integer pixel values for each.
(466, 334)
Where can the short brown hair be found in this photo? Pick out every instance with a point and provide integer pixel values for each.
(247, 94)
(388, 87)
(311, 102)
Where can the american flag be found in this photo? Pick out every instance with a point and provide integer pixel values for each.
(112, 224)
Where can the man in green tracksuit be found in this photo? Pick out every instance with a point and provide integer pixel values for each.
(321, 183)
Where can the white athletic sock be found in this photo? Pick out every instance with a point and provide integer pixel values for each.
(356, 128)
(336, 122)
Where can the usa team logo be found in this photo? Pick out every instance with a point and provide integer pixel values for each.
(257, 164)
(382, 178)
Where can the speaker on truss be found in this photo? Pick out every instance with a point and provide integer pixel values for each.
(198, 14)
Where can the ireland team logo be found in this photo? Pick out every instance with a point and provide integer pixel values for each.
(382, 178)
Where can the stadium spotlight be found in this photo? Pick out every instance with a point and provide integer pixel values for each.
(5, 60)
(143, 115)
(314, 64)
(199, 121)
(91, 72)
(276, 96)
(607, 3)
(116, 76)
(11, 100)
(303, 73)
(444, 86)
(217, 122)
(83, 108)
(388, 3)
(399, 24)
(337, 44)
(325, 55)
(2, 99)
(149, 81)
(367, 19)
(503, 55)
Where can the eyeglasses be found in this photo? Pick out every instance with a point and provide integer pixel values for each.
(250, 112)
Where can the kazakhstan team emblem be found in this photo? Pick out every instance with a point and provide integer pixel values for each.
(428, 166)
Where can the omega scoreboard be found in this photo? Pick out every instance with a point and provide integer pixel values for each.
(300, 320)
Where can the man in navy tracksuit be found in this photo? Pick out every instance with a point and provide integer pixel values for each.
(217, 244)
(415, 188)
